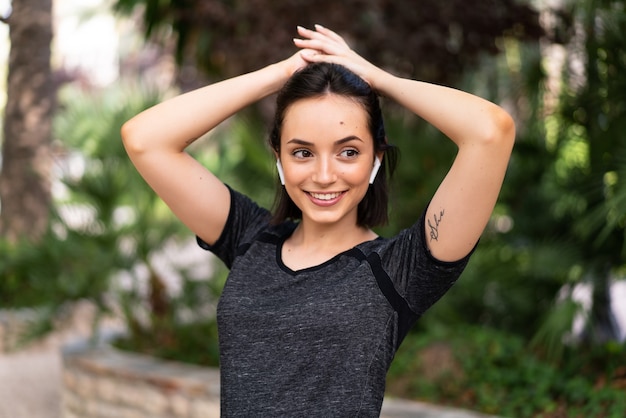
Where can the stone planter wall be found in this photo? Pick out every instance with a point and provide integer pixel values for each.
(104, 382)
(13, 324)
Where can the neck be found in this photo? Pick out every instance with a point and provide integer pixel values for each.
(338, 237)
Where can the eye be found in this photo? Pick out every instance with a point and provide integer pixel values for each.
(349, 153)
(302, 153)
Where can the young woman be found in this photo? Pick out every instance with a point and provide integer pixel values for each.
(316, 304)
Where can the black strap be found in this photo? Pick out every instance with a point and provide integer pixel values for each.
(406, 316)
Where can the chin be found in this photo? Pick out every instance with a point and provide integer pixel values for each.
(327, 219)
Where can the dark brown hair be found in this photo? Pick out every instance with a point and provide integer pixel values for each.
(319, 79)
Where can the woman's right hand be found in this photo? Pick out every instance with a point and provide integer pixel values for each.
(325, 45)
(295, 62)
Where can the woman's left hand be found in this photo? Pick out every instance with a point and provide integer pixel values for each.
(324, 45)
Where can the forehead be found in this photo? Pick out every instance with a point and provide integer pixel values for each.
(326, 116)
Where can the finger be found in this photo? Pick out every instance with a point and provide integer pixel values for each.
(327, 47)
(311, 57)
(351, 61)
(322, 35)
(310, 34)
(331, 34)
(315, 56)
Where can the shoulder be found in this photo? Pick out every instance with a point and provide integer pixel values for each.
(406, 254)
(247, 222)
(405, 267)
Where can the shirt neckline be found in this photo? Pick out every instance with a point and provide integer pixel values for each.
(279, 255)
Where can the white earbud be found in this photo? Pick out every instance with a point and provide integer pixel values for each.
(375, 170)
(281, 173)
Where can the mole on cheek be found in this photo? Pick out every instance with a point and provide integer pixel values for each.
(341, 123)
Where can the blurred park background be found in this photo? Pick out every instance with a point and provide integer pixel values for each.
(536, 327)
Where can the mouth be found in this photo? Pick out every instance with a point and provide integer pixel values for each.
(325, 196)
(325, 199)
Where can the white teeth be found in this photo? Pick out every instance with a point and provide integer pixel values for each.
(325, 196)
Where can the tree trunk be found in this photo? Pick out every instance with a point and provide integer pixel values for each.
(31, 95)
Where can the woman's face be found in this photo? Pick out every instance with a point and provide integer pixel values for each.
(327, 154)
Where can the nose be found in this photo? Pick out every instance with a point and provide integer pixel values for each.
(324, 172)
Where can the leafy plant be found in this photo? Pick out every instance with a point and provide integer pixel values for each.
(495, 372)
(107, 230)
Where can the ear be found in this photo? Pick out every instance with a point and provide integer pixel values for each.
(375, 169)
(281, 173)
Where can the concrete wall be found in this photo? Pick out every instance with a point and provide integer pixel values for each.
(104, 382)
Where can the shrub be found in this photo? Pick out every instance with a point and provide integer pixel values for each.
(495, 372)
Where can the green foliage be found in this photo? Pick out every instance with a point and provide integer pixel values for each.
(435, 41)
(238, 154)
(588, 174)
(560, 219)
(106, 223)
(127, 209)
(496, 373)
(66, 265)
(559, 222)
(193, 342)
(186, 332)
(81, 249)
(425, 157)
(56, 269)
(180, 327)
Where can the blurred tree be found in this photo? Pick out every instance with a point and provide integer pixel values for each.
(104, 221)
(27, 127)
(561, 218)
(431, 40)
(590, 172)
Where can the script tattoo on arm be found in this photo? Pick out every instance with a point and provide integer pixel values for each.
(434, 226)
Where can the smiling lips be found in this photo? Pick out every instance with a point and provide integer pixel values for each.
(325, 199)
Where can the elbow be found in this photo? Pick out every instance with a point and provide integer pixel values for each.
(131, 138)
(501, 130)
(506, 127)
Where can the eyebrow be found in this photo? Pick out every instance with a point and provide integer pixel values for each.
(337, 142)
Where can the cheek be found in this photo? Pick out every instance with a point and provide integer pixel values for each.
(358, 174)
(295, 173)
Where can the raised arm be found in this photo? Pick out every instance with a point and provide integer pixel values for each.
(483, 132)
(155, 141)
